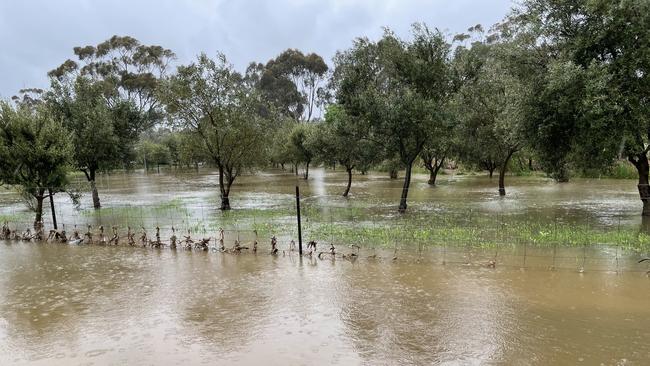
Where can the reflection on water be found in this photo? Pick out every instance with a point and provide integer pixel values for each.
(62, 305)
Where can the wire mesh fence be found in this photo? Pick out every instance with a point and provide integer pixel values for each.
(462, 238)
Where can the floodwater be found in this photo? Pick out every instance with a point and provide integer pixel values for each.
(100, 305)
(63, 305)
(605, 202)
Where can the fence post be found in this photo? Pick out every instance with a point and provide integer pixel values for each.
(299, 223)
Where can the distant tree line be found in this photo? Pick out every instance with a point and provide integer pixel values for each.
(563, 83)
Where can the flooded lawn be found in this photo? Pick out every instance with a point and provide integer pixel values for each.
(439, 302)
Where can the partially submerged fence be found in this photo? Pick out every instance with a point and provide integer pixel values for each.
(458, 238)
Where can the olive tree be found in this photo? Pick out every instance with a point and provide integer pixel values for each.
(341, 140)
(35, 150)
(399, 88)
(209, 98)
(601, 74)
(492, 101)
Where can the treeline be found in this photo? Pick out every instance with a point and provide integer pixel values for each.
(564, 82)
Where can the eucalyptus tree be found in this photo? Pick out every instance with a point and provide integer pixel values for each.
(35, 149)
(400, 89)
(294, 82)
(600, 78)
(209, 98)
(122, 74)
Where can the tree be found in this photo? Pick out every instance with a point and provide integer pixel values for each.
(399, 88)
(301, 145)
(35, 149)
(341, 140)
(294, 83)
(83, 110)
(150, 152)
(493, 102)
(209, 98)
(602, 53)
(120, 76)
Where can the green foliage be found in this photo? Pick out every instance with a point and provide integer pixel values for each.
(396, 90)
(211, 100)
(293, 83)
(592, 105)
(35, 150)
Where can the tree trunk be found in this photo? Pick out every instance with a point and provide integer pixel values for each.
(90, 175)
(95, 194)
(347, 189)
(640, 162)
(40, 197)
(433, 168)
(52, 208)
(306, 176)
(491, 170)
(225, 201)
(405, 188)
(530, 164)
(393, 173)
(502, 174)
(434, 174)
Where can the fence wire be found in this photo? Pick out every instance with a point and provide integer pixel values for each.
(462, 238)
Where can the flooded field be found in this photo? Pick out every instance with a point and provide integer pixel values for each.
(580, 303)
(65, 305)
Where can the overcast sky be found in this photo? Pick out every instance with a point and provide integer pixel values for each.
(38, 35)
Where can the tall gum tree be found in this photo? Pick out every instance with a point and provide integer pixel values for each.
(209, 98)
(126, 73)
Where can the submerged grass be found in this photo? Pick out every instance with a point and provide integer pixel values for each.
(368, 227)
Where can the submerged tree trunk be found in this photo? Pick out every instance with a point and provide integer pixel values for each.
(347, 189)
(52, 208)
(306, 175)
(393, 174)
(640, 162)
(225, 191)
(502, 174)
(434, 174)
(491, 171)
(405, 187)
(90, 175)
(433, 165)
(40, 197)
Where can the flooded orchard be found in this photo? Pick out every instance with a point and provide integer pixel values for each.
(63, 304)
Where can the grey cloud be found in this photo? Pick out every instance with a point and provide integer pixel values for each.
(37, 35)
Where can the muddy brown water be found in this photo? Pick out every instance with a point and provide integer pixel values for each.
(68, 305)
